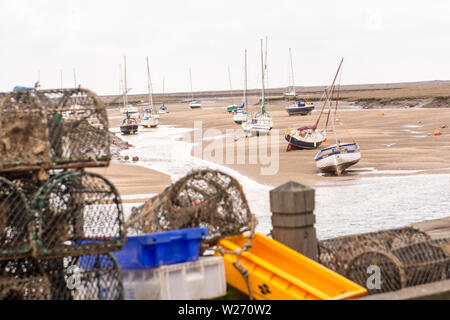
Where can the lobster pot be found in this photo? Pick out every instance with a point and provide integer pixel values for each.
(77, 127)
(23, 132)
(89, 277)
(411, 265)
(204, 198)
(14, 218)
(77, 213)
(336, 253)
(52, 129)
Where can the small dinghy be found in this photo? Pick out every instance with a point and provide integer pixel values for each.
(163, 109)
(335, 159)
(193, 104)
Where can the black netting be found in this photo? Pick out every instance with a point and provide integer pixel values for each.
(52, 129)
(88, 277)
(204, 198)
(77, 213)
(14, 221)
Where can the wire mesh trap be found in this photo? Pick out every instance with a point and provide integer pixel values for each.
(88, 277)
(412, 265)
(14, 217)
(77, 213)
(52, 129)
(204, 198)
(337, 253)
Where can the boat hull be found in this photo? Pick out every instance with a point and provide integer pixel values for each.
(129, 129)
(336, 162)
(298, 144)
(303, 111)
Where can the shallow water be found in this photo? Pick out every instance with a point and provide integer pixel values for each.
(342, 207)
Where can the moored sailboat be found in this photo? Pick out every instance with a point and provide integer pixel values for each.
(129, 123)
(151, 116)
(262, 122)
(310, 137)
(340, 156)
(163, 109)
(194, 104)
(296, 106)
(241, 115)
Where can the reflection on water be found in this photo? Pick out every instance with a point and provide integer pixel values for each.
(342, 207)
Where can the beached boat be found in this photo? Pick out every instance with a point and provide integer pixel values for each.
(240, 116)
(232, 107)
(163, 109)
(151, 116)
(306, 137)
(150, 119)
(262, 122)
(296, 106)
(337, 158)
(129, 125)
(194, 104)
(310, 137)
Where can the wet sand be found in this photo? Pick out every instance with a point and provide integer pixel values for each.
(133, 180)
(400, 142)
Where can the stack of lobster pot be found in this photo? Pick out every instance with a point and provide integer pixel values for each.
(58, 223)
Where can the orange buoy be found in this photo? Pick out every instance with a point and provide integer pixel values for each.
(437, 132)
(382, 113)
(196, 202)
(325, 140)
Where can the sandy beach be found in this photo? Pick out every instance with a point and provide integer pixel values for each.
(396, 141)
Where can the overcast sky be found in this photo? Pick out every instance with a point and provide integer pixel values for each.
(382, 41)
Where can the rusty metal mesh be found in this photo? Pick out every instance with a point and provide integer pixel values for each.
(404, 257)
(52, 129)
(76, 212)
(203, 198)
(89, 277)
(336, 253)
(14, 220)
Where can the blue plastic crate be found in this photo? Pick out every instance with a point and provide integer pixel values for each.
(158, 249)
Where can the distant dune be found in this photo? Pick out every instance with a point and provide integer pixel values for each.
(424, 94)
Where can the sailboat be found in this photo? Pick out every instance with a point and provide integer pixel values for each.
(262, 122)
(297, 106)
(232, 107)
(241, 115)
(129, 123)
(340, 156)
(194, 104)
(163, 109)
(151, 116)
(309, 137)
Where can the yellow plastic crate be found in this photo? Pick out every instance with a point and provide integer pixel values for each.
(277, 272)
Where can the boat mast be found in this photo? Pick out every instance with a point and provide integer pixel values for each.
(164, 95)
(265, 66)
(292, 71)
(231, 88)
(263, 105)
(125, 77)
(245, 76)
(74, 77)
(121, 88)
(150, 89)
(192, 91)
